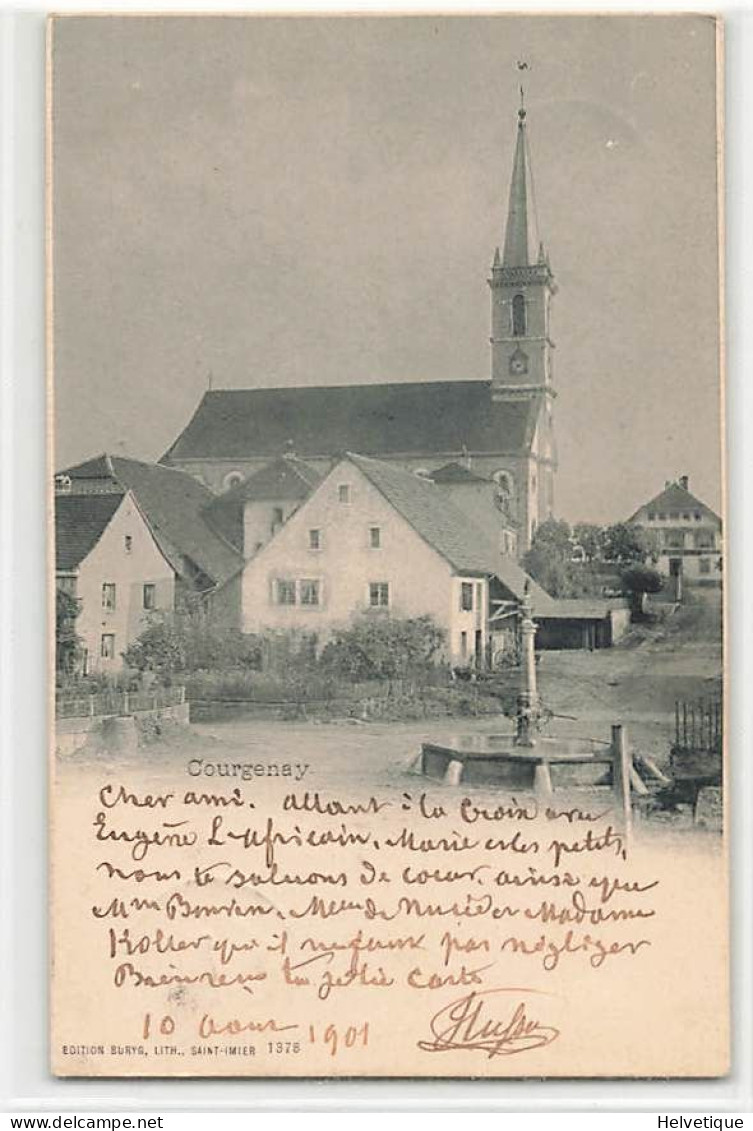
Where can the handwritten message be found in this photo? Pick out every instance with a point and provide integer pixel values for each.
(224, 924)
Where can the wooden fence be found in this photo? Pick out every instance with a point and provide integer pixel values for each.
(115, 702)
(698, 727)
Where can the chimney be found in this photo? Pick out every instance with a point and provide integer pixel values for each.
(684, 482)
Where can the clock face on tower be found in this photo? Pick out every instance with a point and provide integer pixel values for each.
(519, 362)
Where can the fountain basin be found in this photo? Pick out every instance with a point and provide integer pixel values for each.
(495, 759)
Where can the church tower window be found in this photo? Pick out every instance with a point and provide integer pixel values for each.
(519, 316)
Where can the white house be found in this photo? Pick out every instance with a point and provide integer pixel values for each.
(133, 539)
(689, 532)
(108, 559)
(374, 539)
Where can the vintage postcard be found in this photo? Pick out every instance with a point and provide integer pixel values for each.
(387, 486)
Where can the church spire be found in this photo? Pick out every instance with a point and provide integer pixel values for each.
(517, 250)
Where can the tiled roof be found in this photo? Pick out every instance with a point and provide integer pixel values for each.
(173, 504)
(287, 479)
(80, 521)
(437, 416)
(675, 497)
(455, 473)
(444, 526)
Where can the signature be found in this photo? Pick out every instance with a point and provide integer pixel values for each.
(470, 1023)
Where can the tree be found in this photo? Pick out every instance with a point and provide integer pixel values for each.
(625, 543)
(68, 646)
(639, 580)
(590, 539)
(549, 560)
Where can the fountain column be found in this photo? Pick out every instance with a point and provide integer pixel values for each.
(528, 697)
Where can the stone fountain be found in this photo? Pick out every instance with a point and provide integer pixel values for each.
(525, 759)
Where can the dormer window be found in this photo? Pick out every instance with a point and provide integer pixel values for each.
(519, 316)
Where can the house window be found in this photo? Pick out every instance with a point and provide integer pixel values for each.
(343, 493)
(651, 516)
(277, 516)
(675, 539)
(704, 565)
(479, 596)
(107, 646)
(128, 543)
(315, 539)
(375, 537)
(150, 596)
(309, 592)
(379, 594)
(519, 316)
(686, 518)
(704, 540)
(464, 644)
(108, 596)
(285, 591)
(466, 597)
(697, 516)
(232, 479)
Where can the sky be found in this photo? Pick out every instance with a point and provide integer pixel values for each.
(260, 201)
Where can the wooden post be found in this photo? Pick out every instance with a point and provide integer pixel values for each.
(621, 764)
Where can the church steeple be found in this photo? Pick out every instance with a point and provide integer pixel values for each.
(522, 286)
(516, 250)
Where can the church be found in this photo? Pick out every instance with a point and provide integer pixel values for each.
(500, 428)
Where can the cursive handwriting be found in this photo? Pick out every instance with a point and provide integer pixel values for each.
(474, 1022)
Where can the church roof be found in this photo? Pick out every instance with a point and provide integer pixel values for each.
(80, 522)
(444, 526)
(391, 419)
(172, 503)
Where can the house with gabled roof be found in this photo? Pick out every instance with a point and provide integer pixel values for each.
(176, 507)
(252, 510)
(488, 502)
(373, 539)
(689, 533)
(132, 540)
(108, 559)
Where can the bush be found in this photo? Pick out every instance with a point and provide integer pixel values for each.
(176, 644)
(383, 648)
(641, 579)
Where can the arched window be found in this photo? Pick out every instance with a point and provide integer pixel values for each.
(232, 479)
(519, 316)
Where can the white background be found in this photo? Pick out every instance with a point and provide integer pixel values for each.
(24, 1081)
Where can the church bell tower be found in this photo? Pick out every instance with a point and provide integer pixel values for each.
(522, 286)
